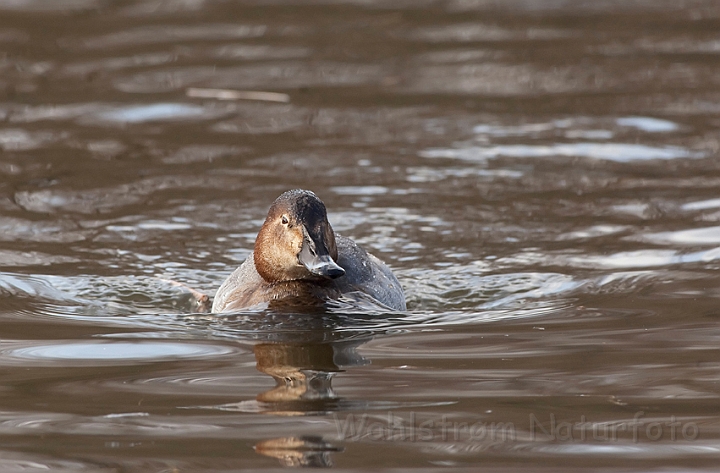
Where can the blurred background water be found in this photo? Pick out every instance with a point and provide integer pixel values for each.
(541, 175)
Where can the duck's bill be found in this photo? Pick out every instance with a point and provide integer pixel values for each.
(319, 265)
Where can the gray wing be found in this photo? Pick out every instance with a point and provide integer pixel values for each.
(367, 274)
(245, 276)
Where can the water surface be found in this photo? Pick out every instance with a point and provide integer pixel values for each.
(542, 176)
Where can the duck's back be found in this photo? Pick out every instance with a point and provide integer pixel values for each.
(366, 274)
(243, 288)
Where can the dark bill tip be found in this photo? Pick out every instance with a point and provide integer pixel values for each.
(324, 266)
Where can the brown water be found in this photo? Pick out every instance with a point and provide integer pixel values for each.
(542, 176)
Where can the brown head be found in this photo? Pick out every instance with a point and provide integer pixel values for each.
(296, 241)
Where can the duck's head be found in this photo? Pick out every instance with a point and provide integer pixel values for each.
(296, 241)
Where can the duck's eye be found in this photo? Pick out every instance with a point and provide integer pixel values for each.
(284, 220)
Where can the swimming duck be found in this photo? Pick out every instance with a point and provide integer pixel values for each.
(298, 259)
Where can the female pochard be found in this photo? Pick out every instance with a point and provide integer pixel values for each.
(298, 259)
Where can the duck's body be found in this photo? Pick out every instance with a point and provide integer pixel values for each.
(365, 275)
(299, 260)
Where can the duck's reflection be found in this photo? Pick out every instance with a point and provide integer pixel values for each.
(303, 373)
(306, 451)
(303, 367)
(303, 351)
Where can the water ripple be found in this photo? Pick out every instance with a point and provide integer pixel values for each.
(619, 152)
(69, 353)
